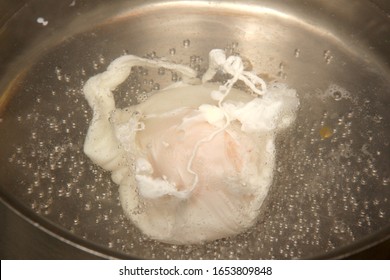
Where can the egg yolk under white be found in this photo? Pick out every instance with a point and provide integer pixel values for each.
(195, 161)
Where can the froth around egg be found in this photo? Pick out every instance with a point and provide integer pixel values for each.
(190, 167)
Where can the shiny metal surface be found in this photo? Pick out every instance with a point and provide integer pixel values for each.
(331, 193)
(20, 239)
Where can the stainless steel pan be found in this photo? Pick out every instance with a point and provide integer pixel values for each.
(331, 191)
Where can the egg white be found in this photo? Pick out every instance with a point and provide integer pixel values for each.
(195, 161)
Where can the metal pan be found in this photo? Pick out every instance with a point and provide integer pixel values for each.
(330, 197)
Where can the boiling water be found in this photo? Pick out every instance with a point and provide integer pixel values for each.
(331, 184)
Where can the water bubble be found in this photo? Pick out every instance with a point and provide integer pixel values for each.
(327, 57)
(76, 221)
(377, 118)
(18, 150)
(328, 60)
(102, 60)
(193, 59)
(156, 86)
(337, 95)
(186, 43)
(282, 75)
(326, 53)
(30, 189)
(234, 45)
(142, 98)
(67, 78)
(58, 70)
(161, 71)
(175, 77)
(88, 206)
(297, 53)
(95, 65)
